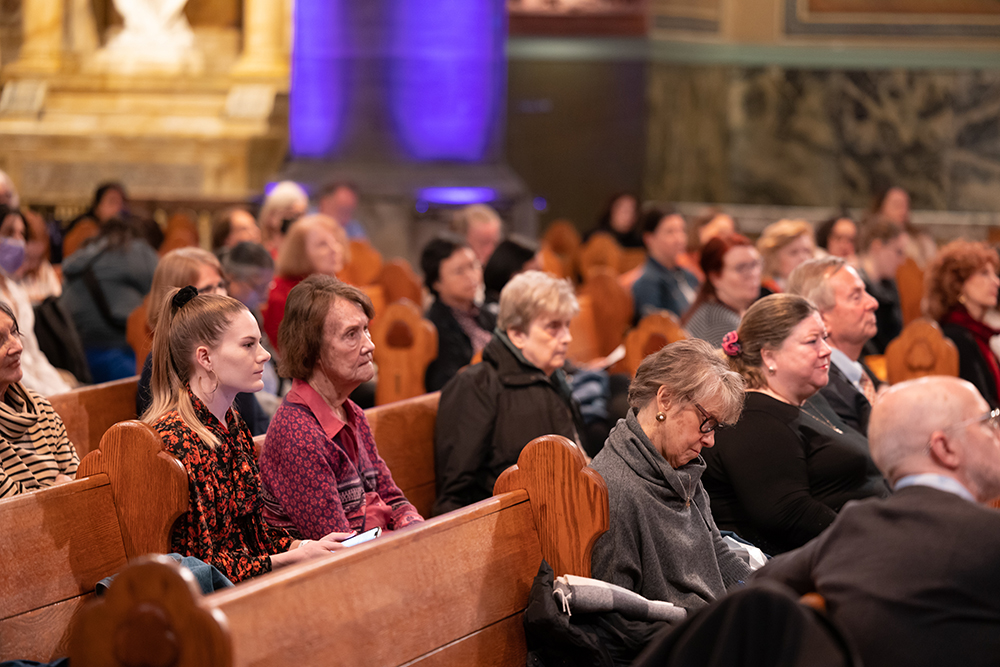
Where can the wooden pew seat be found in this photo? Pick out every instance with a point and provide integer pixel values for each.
(447, 592)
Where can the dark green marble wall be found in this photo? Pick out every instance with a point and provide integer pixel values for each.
(821, 137)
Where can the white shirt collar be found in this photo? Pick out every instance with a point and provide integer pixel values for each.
(935, 481)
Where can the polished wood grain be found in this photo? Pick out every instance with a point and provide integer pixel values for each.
(921, 349)
(404, 435)
(405, 344)
(561, 249)
(149, 486)
(583, 329)
(364, 266)
(43, 634)
(88, 412)
(139, 335)
(568, 500)
(653, 332)
(613, 308)
(910, 284)
(600, 250)
(399, 281)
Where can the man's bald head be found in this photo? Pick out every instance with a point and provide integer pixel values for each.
(907, 417)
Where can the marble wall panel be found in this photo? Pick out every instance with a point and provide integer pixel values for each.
(793, 137)
(687, 160)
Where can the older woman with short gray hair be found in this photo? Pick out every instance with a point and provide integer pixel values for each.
(663, 543)
(489, 412)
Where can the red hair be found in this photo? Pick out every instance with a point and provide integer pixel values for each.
(713, 255)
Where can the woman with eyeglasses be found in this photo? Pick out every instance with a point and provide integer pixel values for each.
(201, 269)
(663, 542)
(732, 268)
(781, 474)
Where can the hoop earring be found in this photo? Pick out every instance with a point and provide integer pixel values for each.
(213, 389)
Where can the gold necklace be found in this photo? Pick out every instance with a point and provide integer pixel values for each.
(821, 419)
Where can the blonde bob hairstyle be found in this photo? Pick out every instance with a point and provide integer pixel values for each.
(285, 200)
(531, 294)
(692, 372)
(201, 321)
(955, 263)
(776, 236)
(293, 258)
(765, 326)
(177, 268)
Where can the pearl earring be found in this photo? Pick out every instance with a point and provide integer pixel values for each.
(660, 417)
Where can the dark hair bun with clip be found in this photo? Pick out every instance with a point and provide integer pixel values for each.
(184, 295)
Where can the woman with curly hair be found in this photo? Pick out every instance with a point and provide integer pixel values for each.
(962, 286)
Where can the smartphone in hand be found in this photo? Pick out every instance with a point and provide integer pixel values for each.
(361, 538)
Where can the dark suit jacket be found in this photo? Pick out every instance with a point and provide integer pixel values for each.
(912, 578)
(850, 404)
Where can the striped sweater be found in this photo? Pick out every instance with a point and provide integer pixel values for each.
(34, 447)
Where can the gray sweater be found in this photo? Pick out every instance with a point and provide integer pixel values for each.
(658, 545)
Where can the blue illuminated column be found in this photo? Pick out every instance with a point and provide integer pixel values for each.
(438, 67)
(447, 80)
(319, 95)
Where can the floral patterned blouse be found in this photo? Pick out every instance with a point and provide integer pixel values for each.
(223, 525)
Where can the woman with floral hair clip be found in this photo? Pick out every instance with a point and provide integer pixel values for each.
(780, 475)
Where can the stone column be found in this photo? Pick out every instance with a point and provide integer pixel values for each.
(263, 31)
(41, 51)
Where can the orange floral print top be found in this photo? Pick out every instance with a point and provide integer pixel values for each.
(223, 525)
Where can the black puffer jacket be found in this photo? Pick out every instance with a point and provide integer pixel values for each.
(487, 414)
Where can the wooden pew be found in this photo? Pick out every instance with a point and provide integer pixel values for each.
(921, 349)
(405, 344)
(653, 332)
(448, 592)
(364, 265)
(88, 412)
(404, 434)
(613, 308)
(57, 543)
(600, 250)
(399, 281)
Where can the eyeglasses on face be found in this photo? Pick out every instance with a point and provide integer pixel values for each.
(708, 423)
(993, 417)
(219, 286)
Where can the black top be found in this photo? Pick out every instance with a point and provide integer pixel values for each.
(844, 398)
(971, 364)
(454, 345)
(781, 474)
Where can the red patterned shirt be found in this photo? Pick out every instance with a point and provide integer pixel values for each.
(322, 475)
(223, 525)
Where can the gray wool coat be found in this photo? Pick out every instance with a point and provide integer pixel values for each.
(659, 546)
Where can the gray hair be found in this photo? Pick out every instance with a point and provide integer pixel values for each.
(474, 214)
(693, 372)
(9, 312)
(811, 280)
(531, 294)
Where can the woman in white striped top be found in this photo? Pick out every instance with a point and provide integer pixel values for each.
(34, 449)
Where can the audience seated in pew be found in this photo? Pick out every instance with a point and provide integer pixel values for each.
(200, 268)
(838, 236)
(848, 312)
(913, 578)
(231, 226)
(321, 471)
(481, 228)
(34, 449)
(454, 277)
(620, 219)
(108, 204)
(709, 224)
(732, 267)
(104, 282)
(892, 204)
(881, 252)
(314, 244)
(339, 200)
(39, 374)
(206, 349)
(783, 245)
(490, 411)
(962, 287)
(282, 206)
(663, 543)
(781, 474)
(514, 255)
(663, 285)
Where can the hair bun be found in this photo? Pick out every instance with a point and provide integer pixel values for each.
(184, 295)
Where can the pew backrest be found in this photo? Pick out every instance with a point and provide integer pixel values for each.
(57, 543)
(921, 349)
(404, 434)
(399, 281)
(653, 332)
(88, 412)
(450, 591)
(613, 308)
(405, 345)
